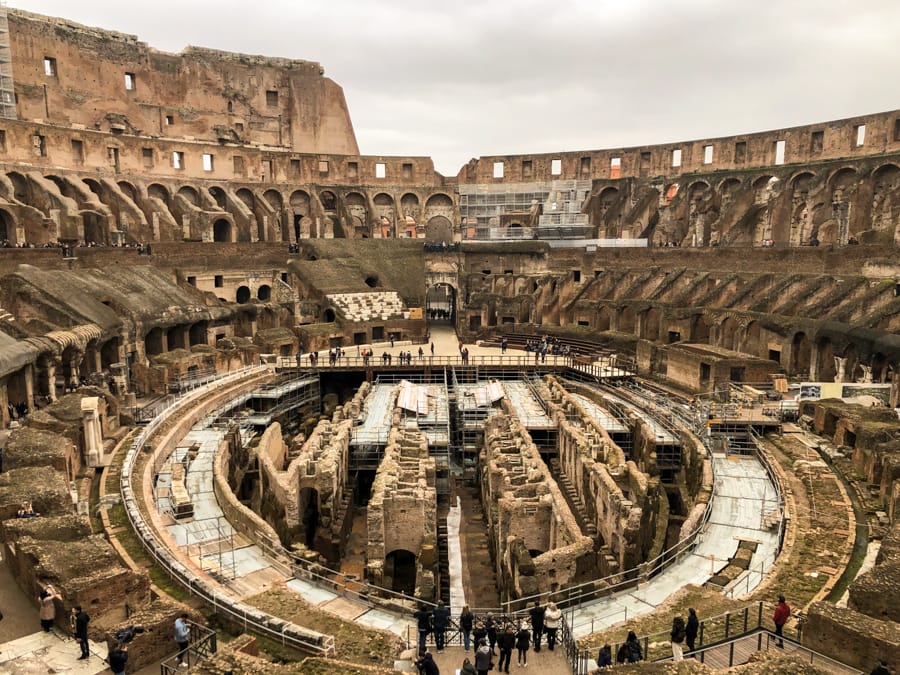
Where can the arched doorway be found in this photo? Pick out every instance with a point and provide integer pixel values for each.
(264, 293)
(242, 295)
(801, 351)
(222, 230)
(440, 304)
(439, 230)
(7, 229)
(400, 571)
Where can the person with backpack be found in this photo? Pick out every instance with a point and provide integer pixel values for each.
(630, 651)
(677, 636)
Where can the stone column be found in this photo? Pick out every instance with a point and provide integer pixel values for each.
(93, 434)
(840, 364)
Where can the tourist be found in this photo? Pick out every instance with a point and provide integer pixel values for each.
(523, 641)
(483, 660)
(479, 633)
(117, 658)
(780, 617)
(440, 621)
(47, 607)
(423, 625)
(432, 349)
(426, 665)
(551, 623)
(537, 624)
(505, 642)
(491, 625)
(182, 638)
(881, 669)
(691, 630)
(604, 657)
(630, 651)
(466, 620)
(467, 668)
(677, 638)
(81, 623)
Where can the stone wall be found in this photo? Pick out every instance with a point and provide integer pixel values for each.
(402, 510)
(620, 501)
(851, 637)
(311, 476)
(537, 543)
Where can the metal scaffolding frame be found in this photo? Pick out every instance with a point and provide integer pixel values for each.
(7, 84)
(482, 205)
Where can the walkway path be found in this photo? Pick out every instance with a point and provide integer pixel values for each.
(742, 495)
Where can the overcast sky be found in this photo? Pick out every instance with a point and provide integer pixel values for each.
(464, 78)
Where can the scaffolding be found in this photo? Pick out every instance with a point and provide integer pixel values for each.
(7, 84)
(482, 207)
(261, 406)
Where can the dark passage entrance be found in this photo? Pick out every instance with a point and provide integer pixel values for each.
(400, 569)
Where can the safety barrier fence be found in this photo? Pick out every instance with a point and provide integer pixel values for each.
(249, 618)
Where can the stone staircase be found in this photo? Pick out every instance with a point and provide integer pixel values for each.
(576, 503)
(378, 306)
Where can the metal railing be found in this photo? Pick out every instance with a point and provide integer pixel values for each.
(202, 643)
(248, 617)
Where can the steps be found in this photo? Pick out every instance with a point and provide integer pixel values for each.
(576, 504)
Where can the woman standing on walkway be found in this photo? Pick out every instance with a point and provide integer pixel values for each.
(523, 642)
(47, 607)
(466, 619)
(551, 624)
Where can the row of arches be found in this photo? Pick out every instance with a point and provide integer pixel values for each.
(816, 356)
(102, 212)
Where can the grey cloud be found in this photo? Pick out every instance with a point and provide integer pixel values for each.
(457, 80)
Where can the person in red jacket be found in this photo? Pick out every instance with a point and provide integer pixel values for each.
(782, 614)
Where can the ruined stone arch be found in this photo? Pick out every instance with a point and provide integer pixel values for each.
(223, 231)
(409, 208)
(439, 204)
(246, 196)
(400, 571)
(700, 329)
(627, 320)
(728, 333)
(604, 318)
(442, 296)
(522, 286)
(328, 200)
(825, 366)
(304, 225)
(189, 193)
(153, 342)
(851, 364)
(355, 206)
(801, 354)
(842, 178)
(751, 340)
(439, 229)
(129, 190)
(219, 196)
(651, 324)
(7, 227)
(885, 198)
(157, 191)
(729, 185)
(274, 199)
(21, 187)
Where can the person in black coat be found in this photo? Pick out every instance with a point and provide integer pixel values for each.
(440, 620)
(423, 623)
(81, 634)
(691, 630)
(506, 641)
(537, 624)
(523, 642)
(427, 666)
